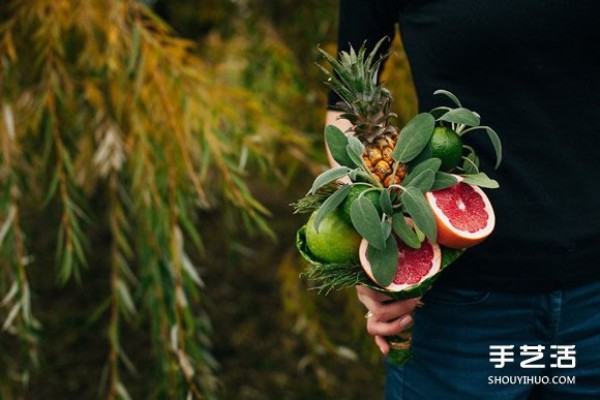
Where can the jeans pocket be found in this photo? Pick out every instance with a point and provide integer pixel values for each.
(455, 297)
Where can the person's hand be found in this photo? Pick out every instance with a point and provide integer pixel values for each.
(385, 316)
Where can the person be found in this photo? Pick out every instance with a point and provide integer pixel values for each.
(515, 317)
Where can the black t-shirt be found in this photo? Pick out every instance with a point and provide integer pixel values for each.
(532, 70)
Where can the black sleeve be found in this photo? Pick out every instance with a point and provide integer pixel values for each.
(365, 21)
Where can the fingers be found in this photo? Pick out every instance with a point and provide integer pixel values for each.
(376, 327)
(368, 293)
(383, 344)
(386, 317)
(383, 307)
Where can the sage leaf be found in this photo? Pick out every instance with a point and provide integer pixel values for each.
(432, 164)
(387, 228)
(423, 181)
(336, 142)
(420, 234)
(443, 180)
(417, 207)
(470, 162)
(367, 222)
(384, 262)
(328, 176)
(404, 231)
(450, 95)
(329, 205)
(437, 112)
(413, 138)
(482, 180)
(354, 150)
(461, 116)
(386, 202)
(494, 138)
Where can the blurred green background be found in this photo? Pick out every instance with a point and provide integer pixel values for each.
(150, 153)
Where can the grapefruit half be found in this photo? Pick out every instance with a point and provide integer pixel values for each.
(414, 265)
(463, 213)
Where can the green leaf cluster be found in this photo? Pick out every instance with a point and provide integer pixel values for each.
(385, 222)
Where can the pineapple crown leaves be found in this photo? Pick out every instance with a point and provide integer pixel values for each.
(365, 102)
(354, 74)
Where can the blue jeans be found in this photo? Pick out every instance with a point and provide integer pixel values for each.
(469, 345)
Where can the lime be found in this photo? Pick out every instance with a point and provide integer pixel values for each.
(446, 145)
(336, 241)
(355, 191)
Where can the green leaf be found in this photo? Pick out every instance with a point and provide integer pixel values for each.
(414, 137)
(420, 234)
(386, 225)
(494, 138)
(355, 149)
(366, 221)
(384, 262)
(331, 204)
(432, 164)
(337, 142)
(423, 181)
(437, 112)
(417, 207)
(443, 180)
(386, 202)
(470, 162)
(461, 116)
(328, 176)
(450, 95)
(135, 50)
(482, 180)
(404, 231)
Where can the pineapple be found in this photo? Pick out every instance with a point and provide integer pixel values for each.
(367, 105)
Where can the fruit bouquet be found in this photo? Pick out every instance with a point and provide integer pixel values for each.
(400, 205)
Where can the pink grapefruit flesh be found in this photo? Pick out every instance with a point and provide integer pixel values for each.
(414, 265)
(463, 213)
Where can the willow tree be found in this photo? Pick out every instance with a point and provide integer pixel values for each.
(111, 122)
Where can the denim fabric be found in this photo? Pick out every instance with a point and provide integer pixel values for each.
(454, 331)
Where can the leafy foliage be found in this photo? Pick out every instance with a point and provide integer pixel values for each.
(111, 122)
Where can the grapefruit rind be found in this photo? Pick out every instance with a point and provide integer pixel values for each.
(449, 235)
